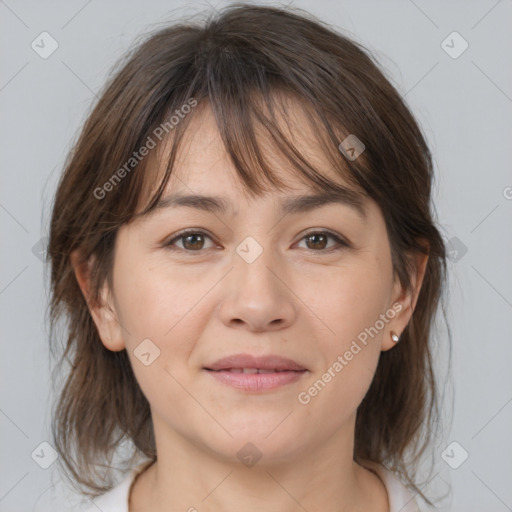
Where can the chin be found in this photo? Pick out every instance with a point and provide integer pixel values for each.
(270, 441)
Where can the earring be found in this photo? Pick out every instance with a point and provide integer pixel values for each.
(395, 337)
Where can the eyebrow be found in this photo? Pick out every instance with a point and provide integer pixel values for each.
(297, 204)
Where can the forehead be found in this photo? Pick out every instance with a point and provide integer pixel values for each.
(203, 166)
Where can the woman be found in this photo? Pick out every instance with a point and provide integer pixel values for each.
(243, 245)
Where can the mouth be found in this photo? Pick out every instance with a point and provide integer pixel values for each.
(251, 373)
(255, 379)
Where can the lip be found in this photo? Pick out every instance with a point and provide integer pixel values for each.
(228, 371)
(268, 362)
(256, 381)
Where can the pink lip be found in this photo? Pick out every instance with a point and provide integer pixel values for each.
(257, 381)
(286, 371)
(270, 362)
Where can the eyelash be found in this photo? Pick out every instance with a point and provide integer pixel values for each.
(342, 243)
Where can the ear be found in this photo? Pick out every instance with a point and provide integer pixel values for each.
(102, 312)
(403, 302)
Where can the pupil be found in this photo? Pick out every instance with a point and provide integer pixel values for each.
(321, 236)
(192, 246)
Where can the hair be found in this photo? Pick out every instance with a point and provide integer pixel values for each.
(242, 62)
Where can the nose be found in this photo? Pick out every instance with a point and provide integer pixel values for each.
(258, 297)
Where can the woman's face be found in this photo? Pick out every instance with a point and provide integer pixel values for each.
(252, 280)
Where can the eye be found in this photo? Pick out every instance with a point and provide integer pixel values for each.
(318, 240)
(193, 241)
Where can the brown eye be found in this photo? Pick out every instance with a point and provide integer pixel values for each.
(318, 241)
(194, 242)
(191, 241)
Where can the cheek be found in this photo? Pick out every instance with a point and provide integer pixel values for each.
(155, 307)
(167, 307)
(156, 304)
(350, 306)
(350, 301)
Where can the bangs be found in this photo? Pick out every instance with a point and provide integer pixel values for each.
(258, 125)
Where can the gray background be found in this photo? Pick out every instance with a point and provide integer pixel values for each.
(464, 105)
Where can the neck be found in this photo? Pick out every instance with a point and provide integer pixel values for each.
(190, 478)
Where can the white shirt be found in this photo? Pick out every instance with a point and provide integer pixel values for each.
(116, 500)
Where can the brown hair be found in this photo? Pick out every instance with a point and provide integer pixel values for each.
(239, 60)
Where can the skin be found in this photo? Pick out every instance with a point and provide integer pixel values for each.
(297, 299)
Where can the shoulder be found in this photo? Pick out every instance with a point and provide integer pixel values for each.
(400, 497)
(116, 500)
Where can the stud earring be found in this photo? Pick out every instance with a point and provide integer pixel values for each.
(395, 337)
